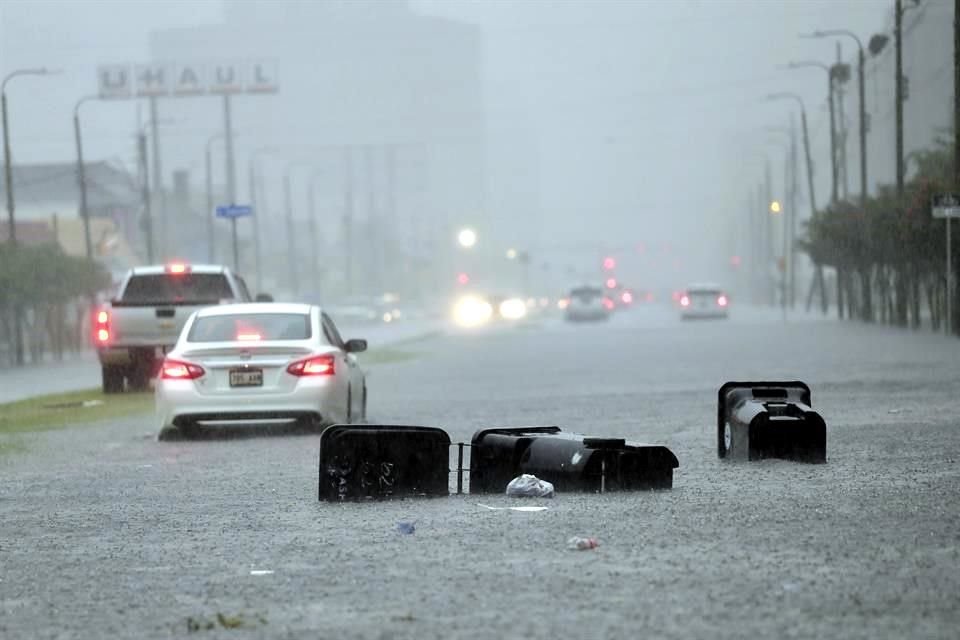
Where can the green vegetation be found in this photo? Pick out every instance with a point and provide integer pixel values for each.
(889, 254)
(61, 410)
(45, 285)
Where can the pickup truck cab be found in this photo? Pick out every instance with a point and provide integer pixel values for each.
(144, 320)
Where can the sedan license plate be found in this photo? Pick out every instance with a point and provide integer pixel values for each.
(246, 377)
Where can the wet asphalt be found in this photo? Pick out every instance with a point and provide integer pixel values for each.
(105, 532)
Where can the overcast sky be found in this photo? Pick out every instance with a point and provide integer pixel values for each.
(644, 116)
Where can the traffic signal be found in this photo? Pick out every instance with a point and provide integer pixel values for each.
(463, 278)
(609, 264)
(611, 283)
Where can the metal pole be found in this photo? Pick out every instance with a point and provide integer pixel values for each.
(231, 176)
(956, 149)
(842, 130)
(806, 150)
(948, 320)
(82, 184)
(348, 216)
(208, 214)
(291, 242)
(459, 468)
(863, 127)
(12, 232)
(158, 189)
(312, 234)
(834, 169)
(898, 84)
(256, 201)
(374, 222)
(145, 191)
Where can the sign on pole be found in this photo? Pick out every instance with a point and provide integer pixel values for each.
(233, 211)
(181, 79)
(945, 205)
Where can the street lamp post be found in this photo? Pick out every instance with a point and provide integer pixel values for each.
(861, 89)
(82, 176)
(8, 178)
(258, 199)
(834, 170)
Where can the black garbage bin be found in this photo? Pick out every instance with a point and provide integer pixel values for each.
(757, 420)
(570, 461)
(383, 461)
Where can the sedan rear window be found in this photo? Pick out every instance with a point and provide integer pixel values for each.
(250, 327)
(183, 288)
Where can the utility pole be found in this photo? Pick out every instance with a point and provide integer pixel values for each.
(231, 176)
(82, 178)
(348, 215)
(767, 197)
(948, 322)
(390, 240)
(145, 193)
(792, 213)
(374, 220)
(208, 215)
(158, 189)
(291, 241)
(312, 234)
(842, 126)
(255, 202)
(898, 84)
(861, 81)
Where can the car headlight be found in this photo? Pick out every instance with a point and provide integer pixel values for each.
(471, 311)
(513, 309)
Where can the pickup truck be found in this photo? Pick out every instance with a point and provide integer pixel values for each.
(143, 321)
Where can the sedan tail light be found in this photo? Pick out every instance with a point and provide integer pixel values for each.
(722, 301)
(313, 366)
(685, 301)
(179, 370)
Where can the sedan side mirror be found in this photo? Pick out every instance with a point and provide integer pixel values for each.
(264, 297)
(355, 346)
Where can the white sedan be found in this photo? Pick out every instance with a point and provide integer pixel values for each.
(260, 363)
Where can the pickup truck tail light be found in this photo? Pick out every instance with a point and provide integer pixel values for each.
(101, 327)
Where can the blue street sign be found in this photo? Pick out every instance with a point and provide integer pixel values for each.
(234, 211)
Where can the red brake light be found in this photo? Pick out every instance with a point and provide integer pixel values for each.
(101, 329)
(627, 297)
(684, 301)
(248, 337)
(314, 366)
(722, 301)
(177, 268)
(178, 370)
(608, 304)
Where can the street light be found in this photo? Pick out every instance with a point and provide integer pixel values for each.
(775, 207)
(82, 175)
(8, 177)
(467, 238)
(876, 45)
(806, 139)
(834, 170)
(511, 254)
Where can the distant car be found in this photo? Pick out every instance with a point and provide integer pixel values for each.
(703, 301)
(257, 363)
(588, 304)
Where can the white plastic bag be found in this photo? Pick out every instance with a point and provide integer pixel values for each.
(528, 486)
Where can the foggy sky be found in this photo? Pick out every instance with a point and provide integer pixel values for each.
(636, 120)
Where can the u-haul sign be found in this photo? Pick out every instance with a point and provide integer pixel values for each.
(118, 81)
